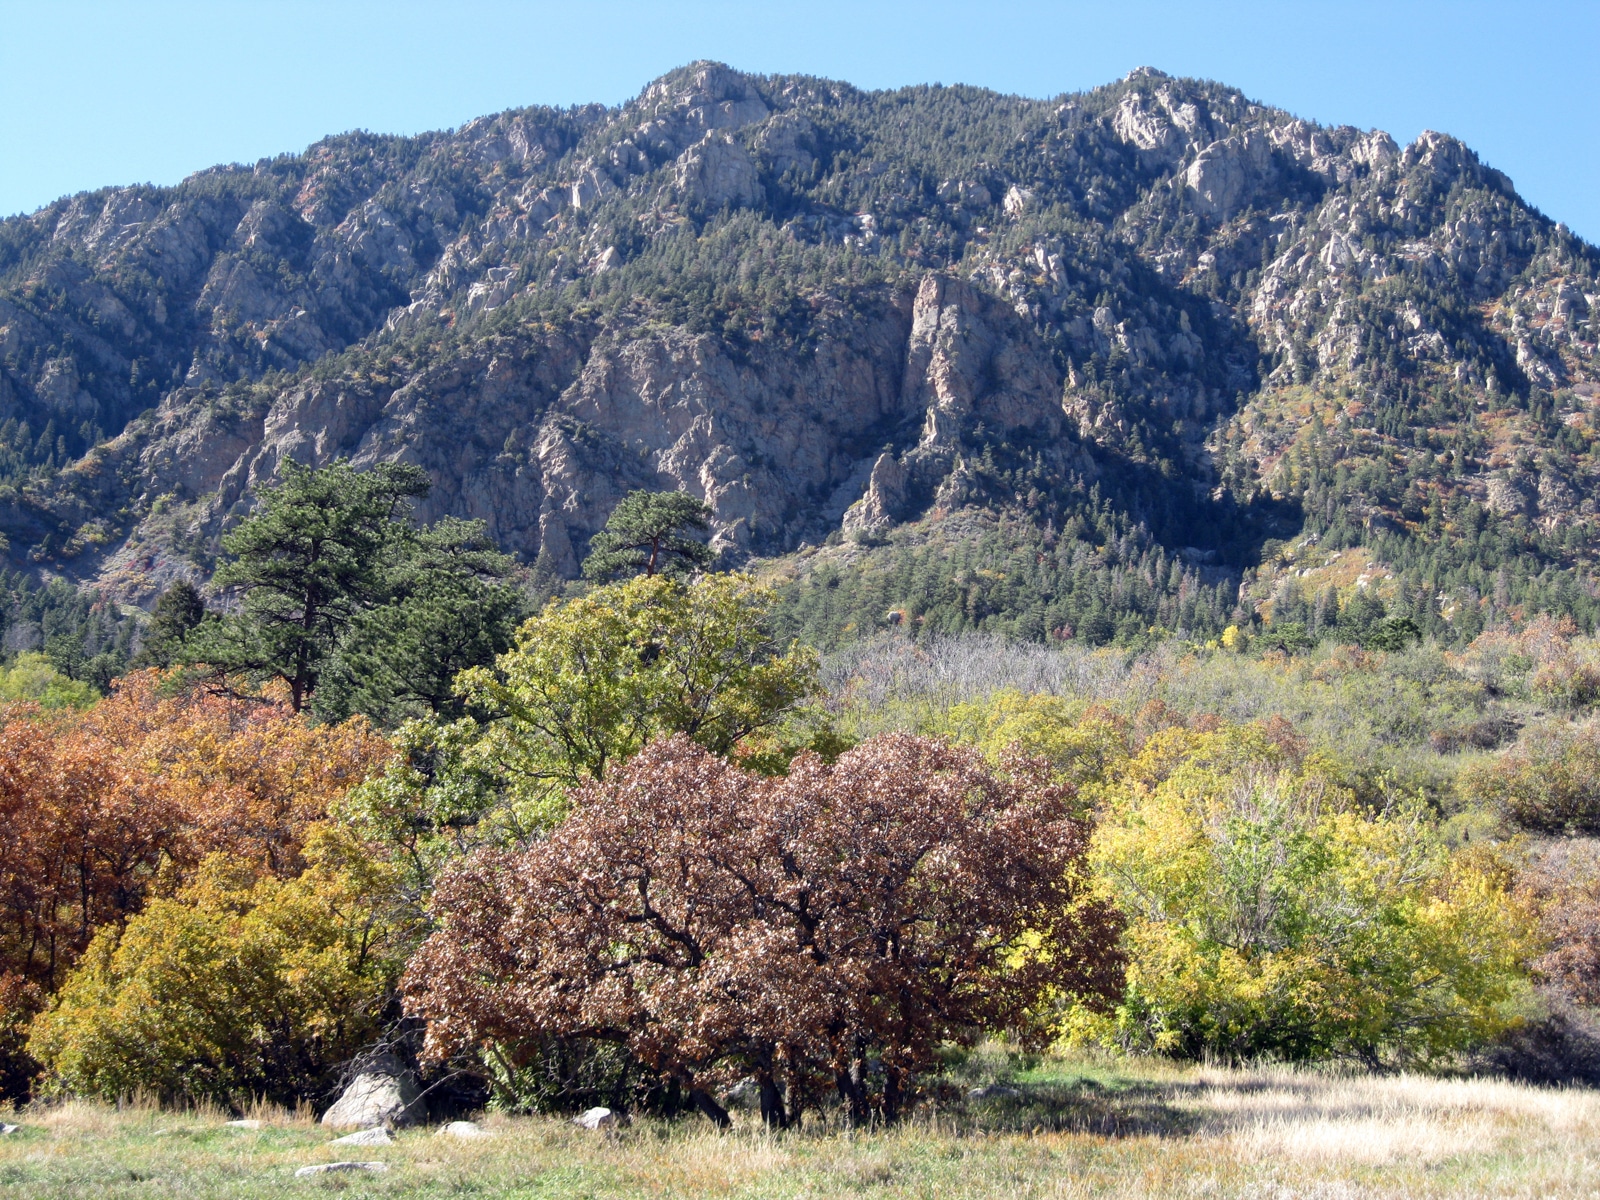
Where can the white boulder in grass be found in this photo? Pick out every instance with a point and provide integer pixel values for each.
(336, 1167)
(383, 1092)
(466, 1130)
(377, 1136)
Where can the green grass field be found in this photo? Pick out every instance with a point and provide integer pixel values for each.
(1074, 1129)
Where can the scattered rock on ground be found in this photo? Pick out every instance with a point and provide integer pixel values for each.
(332, 1168)
(249, 1124)
(744, 1094)
(4, 1128)
(384, 1092)
(596, 1118)
(367, 1137)
(466, 1130)
(994, 1091)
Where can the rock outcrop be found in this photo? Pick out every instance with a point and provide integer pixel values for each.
(541, 437)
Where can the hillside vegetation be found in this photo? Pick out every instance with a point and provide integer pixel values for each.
(1152, 356)
(639, 850)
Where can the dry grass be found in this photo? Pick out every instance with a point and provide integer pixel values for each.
(1076, 1130)
(1407, 1119)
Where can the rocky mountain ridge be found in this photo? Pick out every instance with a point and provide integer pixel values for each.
(1155, 316)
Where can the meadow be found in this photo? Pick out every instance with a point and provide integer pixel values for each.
(1064, 1128)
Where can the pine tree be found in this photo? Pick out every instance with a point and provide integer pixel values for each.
(647, 535)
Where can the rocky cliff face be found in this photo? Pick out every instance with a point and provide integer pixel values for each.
(540, 436)
(821, 310)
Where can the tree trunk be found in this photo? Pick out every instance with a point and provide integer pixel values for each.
(702, 1100)
(772, 1110)
(892, 1095)
(671, 1099)
(853, 1093)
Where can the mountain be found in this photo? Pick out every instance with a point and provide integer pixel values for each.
(1148, 357)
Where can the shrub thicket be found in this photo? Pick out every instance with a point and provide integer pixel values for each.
(1271, 916)
(240, 985)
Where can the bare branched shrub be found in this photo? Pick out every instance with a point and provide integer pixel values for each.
(891, 682)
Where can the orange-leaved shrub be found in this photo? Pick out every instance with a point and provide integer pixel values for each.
(827, 930)
(249, 776)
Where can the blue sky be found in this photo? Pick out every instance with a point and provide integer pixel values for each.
(122, 92)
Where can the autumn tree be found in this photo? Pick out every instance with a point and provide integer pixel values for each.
(1562, 883)
(92, 802)
(649, 533)
(1548, 781)
(823, 931)
(102, 808)
(1271, 915)
(82, 834)
(240, 985)
(591, 680)
(83, 829)
(247, 777)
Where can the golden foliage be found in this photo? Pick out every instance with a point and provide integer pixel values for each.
(240, 985)
(1270, 915)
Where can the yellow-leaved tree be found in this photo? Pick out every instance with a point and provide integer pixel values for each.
(240, 985)
(1270, 916)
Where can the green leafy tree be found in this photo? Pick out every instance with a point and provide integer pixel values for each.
(591, 680)
(648, 533)
(33, 677)
(307, 563)
(1394, 633)
(588, 683)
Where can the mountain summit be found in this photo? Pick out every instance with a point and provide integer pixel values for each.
(1151, 355)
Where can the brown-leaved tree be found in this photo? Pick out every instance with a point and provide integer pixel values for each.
(827, 930)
